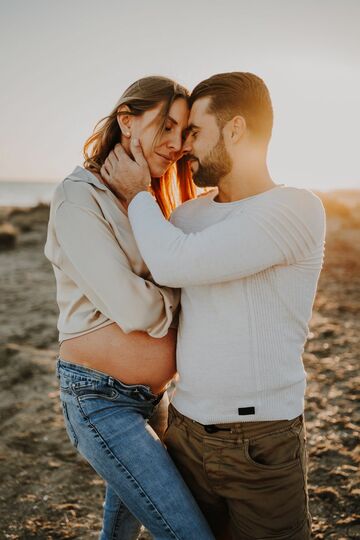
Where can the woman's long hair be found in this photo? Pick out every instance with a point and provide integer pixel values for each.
(176, 185)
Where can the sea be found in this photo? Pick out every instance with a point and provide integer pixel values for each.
(25, 193)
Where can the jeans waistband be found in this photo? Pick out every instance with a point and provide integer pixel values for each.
(244, 430)
(78, 370)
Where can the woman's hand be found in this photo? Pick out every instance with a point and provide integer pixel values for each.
(125, 176)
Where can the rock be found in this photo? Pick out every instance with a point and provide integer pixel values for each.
(8, 236)
(28, 219)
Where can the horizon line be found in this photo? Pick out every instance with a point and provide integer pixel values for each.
(55, 181)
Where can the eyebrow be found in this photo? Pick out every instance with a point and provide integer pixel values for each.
(172, 120)
(191, 127)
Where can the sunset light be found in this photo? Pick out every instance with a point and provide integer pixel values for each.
(179, 269)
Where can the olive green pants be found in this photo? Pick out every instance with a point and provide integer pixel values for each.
(249, 480)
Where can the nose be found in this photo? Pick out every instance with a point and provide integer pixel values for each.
(186, 146)
(175, 143)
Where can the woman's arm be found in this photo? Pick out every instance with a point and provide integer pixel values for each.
(96, 263)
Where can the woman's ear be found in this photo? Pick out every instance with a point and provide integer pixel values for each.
(124, 119)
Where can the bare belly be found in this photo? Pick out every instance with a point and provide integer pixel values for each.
(134, 358)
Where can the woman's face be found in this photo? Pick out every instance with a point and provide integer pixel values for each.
(168, 147)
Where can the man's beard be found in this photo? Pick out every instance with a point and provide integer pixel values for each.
(215, 165)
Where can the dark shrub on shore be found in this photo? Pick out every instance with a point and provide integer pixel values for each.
(28, 219)
(8, 236)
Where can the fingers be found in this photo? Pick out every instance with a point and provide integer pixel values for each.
(111, 161)
(107, 166)
(119, 152)
(136, 151)
(105, 173)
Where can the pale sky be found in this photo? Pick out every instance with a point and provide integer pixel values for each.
(64, 64)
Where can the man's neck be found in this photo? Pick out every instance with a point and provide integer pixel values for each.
(241, 184)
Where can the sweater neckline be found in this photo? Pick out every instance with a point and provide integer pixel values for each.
(241, 201)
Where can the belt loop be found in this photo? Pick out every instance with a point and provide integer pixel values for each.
(110, 381)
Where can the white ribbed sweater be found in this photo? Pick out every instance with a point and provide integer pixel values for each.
(248, 272)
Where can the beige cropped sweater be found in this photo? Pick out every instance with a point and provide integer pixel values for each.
(100, 275)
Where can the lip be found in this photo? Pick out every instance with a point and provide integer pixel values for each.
(193, 162)
(165, 158)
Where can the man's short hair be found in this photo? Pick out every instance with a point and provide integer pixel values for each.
(238, 93)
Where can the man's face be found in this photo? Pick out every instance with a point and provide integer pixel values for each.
(205, 147)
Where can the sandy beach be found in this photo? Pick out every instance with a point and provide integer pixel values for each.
(48, 492)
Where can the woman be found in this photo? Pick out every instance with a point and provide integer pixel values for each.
(117, 347)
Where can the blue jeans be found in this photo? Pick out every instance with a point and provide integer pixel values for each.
(107, 422)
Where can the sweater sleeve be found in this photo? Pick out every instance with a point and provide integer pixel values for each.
(244, 243)
(94, 260)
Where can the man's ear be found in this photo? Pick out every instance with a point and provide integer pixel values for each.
(237, 128)
(124, 119)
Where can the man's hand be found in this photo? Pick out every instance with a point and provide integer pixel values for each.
(125, 176)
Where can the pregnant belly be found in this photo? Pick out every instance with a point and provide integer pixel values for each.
(134, 358)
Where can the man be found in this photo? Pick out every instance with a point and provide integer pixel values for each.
(248, 258)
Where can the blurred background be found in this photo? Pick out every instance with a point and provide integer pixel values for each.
(64, 65)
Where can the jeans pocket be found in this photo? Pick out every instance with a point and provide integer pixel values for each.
(94, 389)
(65, 385)
(68, 425)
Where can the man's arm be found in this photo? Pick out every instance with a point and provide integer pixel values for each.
(243, 244)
